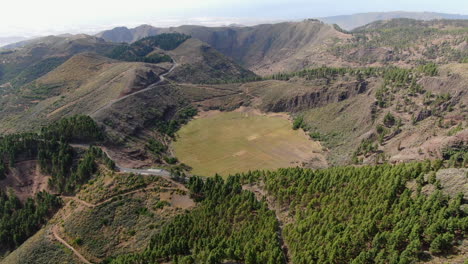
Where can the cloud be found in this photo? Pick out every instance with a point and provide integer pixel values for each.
(42, 17)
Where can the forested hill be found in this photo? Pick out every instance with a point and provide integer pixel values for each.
(144, 50)
(68, 170)
(338, 215)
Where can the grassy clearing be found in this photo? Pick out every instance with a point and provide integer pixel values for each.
(232, 142)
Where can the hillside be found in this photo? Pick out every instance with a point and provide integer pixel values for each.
(350, 22)
(83, 84)
(37, 57)
(4, 41)
(428, 112)
(121, 218)
(123, 34)
(269, 48)
(296, 142)
(291, 46)
(406, 42)
(200, 63)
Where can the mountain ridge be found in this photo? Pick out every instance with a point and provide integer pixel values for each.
(350, 22)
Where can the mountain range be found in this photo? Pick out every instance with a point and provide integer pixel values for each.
(91, 169)
(350, 22)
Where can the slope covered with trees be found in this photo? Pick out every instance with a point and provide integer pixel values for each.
(55, 157)
(365, 214)
(18, 221)
(228, 225)
(54, 154)
(142, 50)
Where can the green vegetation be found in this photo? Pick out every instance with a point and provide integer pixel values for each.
(156, 147)
(181, 117)
(171, 160)
(228, 225)
(429, 69)
(66, 177)
(19, 221)
(393, 76)
(456, 155)
(298, 122)
(76, 129)
(165, 41)
(339, 29)
(455, 130)
(408, 40)
(363, 215)
(367, 146)
(37, 70)
(389, 120)
(142, 50)
(55, 156)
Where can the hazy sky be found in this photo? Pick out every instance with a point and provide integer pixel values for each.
(40, 17)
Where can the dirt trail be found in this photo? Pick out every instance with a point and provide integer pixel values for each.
(158, 172)
(162, 78)
(55, 231)
(90, 205)
(76, 199)
(280, 216)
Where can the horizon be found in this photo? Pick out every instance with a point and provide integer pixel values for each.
(89, 17)
(176, 22)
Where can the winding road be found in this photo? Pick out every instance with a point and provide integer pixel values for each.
(162, 78)
(157, 172)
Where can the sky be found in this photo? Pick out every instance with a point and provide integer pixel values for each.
(44, 17)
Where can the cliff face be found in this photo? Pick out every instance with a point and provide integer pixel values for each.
(298, 95)
(307, 100)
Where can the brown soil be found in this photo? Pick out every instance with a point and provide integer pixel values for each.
(25, 179)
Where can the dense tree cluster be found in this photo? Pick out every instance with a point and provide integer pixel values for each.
(67, 176)
(55, 156)
(365, 214)
(74, 129)
(16, 147)
(18, 221)
(142, 50)
(228, 225)
(392, 75)
(338, 215)
(180, 118)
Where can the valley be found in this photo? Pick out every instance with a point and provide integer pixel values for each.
(245, 140)
(292, 142)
